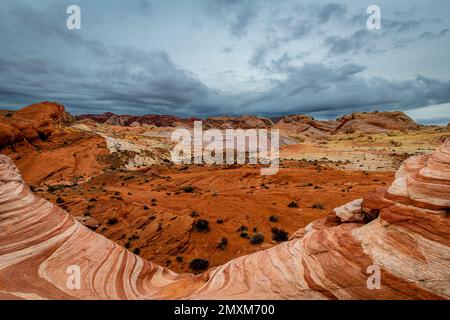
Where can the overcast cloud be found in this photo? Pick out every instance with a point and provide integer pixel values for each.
(214, 57)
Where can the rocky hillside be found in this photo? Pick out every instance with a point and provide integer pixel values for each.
(403, 230)
(34, 122)
(375, 122)
(305, 126)
(42, 145)
(130, 120)
(241, 122)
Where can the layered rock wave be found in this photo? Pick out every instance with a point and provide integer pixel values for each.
(401, 230)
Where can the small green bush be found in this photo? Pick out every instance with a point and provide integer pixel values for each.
(199, 264)
(279, 235)
(257, 238)
(201, 225)
(293, 204)
(112, 221)
(319, 206)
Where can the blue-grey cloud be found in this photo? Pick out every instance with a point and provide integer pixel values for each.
(41, 60)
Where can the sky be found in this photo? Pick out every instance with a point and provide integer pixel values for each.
(228, 57)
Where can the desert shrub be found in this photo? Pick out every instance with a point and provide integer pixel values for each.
(201, 225)
(133, 237)
(293, 204)
(219, 221)
(128, 245)
(92, 200)
(179, 259)
(273, 218)
(279, 235)
(318, 205)
(112, 221)
(257, 238)
(55, 188)
(244, 234)
(199, 264)
(222, 244)
(60, 200)
(188, 189)
(146, 208)
(43, 136)
(136, 251)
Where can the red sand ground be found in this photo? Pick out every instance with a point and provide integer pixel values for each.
(151, 212)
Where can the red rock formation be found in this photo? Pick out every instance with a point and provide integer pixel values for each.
(128, 120)
(43, 148)
(375, 122)
(329, 259)
(35, 122)
(306, 126)
(241, 122)
(353, 126)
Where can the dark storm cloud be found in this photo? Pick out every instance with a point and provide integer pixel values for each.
(136, 82)
(41, 60)
(320, 89)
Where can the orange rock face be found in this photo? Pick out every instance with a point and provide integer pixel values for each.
(41, 245)
(35, 122)
(38, 140)
(306, 126)
(371, 120)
